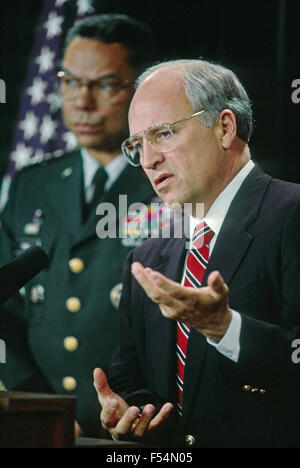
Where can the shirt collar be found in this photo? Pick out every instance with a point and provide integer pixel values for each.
(218, 211)
(90, 166)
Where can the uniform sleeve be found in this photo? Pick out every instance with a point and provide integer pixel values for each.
(20, 371)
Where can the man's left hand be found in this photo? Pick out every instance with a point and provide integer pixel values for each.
(205, 309)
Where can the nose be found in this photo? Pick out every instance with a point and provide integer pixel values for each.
(150, 158)
(85, 99)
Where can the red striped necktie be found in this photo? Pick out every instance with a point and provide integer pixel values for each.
(195, 268)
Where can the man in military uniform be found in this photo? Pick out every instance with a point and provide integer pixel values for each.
(64, 323)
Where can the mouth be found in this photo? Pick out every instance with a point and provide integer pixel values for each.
(85, 122)
(162, 180)
(89, 128)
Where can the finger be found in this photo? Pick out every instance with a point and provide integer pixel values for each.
(159, 288)
(147, 273)
(168, 286)
(127, 423)
(109, 404)
(182, 299)
(164, 413)
(142, 424)
(152, 290)
(77, 430)
(109, 414)
(217, 284)
(101, 385)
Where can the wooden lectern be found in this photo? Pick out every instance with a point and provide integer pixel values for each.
(30, 420)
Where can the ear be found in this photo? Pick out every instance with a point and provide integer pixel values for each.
(227, 128)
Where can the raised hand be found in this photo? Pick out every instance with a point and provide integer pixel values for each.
(205, 309)
(123, 421)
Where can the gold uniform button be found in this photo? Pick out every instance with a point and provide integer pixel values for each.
(115, 295)
(76, 265)
(69, 383)
(71, 343)
(73, 304)
(246, 388)
(262, 391)
(190, 440)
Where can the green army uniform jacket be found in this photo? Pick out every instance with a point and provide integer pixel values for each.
(65, 324)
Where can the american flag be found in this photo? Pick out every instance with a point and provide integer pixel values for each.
(40, 132)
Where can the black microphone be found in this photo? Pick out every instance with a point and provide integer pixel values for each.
(17, 273)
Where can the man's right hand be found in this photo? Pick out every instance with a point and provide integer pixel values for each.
(123, 421)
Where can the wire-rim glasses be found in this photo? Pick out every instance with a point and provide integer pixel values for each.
(103, 89)
(161, 137)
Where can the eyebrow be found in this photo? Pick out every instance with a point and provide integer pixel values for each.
(152, 127)
(169, 124)
(103, 77)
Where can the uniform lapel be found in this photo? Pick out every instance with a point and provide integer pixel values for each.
(232, 244)
(65, 192)
(130, 184)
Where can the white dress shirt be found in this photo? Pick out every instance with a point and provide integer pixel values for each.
(229, 345)
(90, 167)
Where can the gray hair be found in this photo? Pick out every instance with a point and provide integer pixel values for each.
(214, 88)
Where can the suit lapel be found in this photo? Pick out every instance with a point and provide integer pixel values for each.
(65, 195)
(231, 246)
(170, 264)
(235, 237)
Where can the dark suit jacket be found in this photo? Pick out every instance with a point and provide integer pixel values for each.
(252, 403)
(35, 327)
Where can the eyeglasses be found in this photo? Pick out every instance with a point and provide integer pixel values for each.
(162, 138)
(103, 89)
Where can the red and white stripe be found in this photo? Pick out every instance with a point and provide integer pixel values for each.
(195, 268)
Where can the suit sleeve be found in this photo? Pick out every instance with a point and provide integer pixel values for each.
(20, 371)
(126, 375)
(265, 360)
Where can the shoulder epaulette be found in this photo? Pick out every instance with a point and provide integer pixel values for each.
(48, 160)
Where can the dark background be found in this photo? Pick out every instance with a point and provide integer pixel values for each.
(259, 40)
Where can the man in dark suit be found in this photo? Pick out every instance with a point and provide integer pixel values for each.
(65, 322)
(222, 314)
